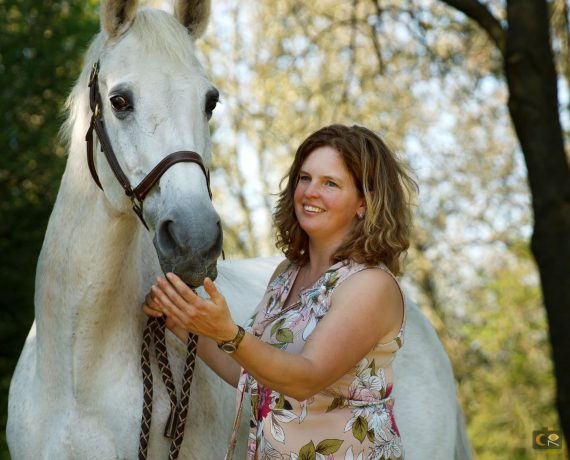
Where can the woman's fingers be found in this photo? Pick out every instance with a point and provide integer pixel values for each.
(212, 290)
(181, 288)
(172, 293)
(168, 306)
(151, 311)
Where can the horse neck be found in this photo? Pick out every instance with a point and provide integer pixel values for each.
(92, 272)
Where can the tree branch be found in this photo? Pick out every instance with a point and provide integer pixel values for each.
(481, 15)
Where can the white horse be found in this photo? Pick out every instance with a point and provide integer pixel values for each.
(77, 390)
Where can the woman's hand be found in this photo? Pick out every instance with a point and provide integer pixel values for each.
(152, 308)
(187, 310)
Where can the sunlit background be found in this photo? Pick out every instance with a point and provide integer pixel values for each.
(417, 72)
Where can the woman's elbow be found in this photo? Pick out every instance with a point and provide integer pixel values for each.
(302, 392)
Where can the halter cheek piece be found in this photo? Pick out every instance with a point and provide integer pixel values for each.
(139, 193)
(155, 328)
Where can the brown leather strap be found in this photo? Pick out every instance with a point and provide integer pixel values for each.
(90, 162)
(139, 193)
(107, 149)
(155, 174)
(154, 330)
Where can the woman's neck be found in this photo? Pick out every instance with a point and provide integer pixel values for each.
(320, 258)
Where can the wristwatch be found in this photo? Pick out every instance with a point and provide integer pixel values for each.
(230, 346)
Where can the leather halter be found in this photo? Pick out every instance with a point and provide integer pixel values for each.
(139, 193)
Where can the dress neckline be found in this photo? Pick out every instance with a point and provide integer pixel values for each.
(297, 269)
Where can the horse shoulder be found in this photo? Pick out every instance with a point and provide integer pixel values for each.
(426, 407)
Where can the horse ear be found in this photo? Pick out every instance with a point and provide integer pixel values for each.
(117, 15)
(193, 14)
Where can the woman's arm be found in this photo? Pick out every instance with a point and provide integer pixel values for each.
(365, 309)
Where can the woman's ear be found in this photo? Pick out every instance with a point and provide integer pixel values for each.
(361, 210)
(117, 16)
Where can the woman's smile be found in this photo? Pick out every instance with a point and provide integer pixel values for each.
(312, 209)
(326, 189)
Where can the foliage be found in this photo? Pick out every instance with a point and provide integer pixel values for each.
(415, 71)
(501, 357)
(42, 43)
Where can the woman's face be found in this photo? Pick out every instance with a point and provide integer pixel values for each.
(326, 198)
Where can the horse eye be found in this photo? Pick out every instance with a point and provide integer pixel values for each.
(120, 103)
(212, 99)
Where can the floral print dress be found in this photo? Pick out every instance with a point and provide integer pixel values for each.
(353, 418)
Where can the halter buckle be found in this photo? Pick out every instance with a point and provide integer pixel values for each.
(138, 208)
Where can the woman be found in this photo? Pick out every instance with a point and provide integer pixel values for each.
(316, 355)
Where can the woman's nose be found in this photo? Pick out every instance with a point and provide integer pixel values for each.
(312, 189)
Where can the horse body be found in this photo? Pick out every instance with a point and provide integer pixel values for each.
(77, 390)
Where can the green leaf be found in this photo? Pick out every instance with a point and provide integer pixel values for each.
(280, 402)
(308, 452)
(284, 335)
(329, 446)
(359, 428)
(336, 402)
(370, 435)
(372, 367)
(277, 325)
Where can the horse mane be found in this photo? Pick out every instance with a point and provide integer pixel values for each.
(157, 32)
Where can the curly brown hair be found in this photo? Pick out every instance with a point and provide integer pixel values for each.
(384, 181)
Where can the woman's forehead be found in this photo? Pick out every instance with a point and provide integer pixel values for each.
(325, 161)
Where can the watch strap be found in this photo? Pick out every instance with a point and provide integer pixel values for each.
(230, 346)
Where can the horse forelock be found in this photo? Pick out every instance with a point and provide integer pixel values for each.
(160, 33)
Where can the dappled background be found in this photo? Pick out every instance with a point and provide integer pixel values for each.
(422, 75)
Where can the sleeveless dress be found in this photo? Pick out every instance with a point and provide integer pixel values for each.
(350, 420)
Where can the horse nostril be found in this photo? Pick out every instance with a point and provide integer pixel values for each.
(167, 240)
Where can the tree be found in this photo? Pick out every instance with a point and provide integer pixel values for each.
(42, 43)
(386, 65)
(524, 42)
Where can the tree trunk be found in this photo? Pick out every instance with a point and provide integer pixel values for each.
(533, 105)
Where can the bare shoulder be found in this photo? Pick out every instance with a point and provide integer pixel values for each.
(372, 293)
(372, 281)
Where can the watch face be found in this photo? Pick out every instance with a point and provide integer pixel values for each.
(228, 347)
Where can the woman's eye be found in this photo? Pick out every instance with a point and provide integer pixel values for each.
(120, 103)
(330, 183)
(304, 178)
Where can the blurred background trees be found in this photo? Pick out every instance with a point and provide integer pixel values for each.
(419, 73)
(41, 44)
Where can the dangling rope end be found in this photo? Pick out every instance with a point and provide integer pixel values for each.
(171, 424)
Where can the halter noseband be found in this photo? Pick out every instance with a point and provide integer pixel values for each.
(139, 193)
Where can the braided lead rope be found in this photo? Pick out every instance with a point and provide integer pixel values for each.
(166, 374)
(155, 332)
(147, 394)
(182, 409)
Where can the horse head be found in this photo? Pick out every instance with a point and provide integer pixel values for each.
(155, 99)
